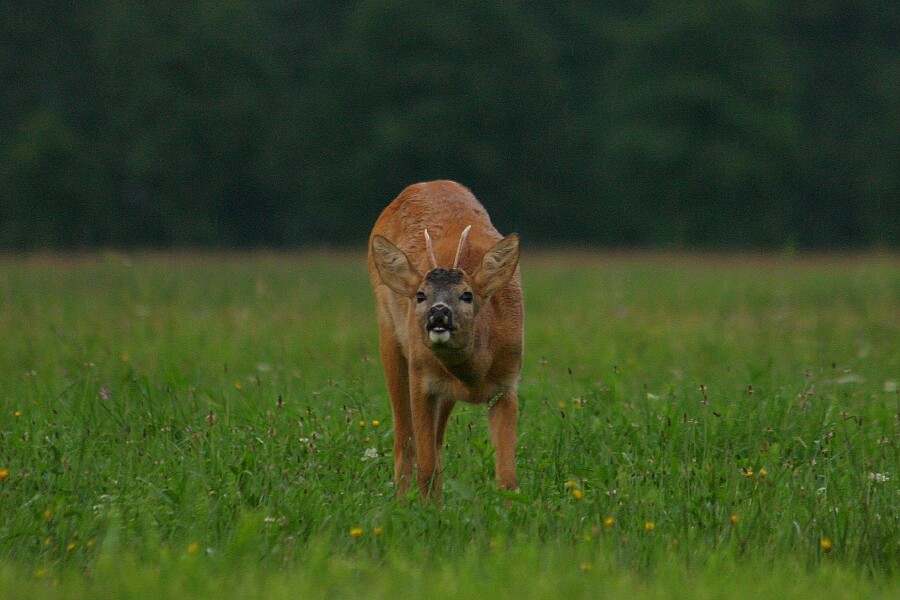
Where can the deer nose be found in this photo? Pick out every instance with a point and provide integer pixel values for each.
(440, 315)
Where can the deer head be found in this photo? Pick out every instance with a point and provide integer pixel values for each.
(445, 301)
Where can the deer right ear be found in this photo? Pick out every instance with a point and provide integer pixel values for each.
(394, 268)
(498, 266)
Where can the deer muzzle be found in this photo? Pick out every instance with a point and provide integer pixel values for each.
(440, 322)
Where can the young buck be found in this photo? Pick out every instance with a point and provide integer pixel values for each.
(450, 315)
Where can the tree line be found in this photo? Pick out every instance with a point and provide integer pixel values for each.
(696, 123)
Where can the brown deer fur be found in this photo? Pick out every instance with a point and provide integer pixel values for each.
(480, 359)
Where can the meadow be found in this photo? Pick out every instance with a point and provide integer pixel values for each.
(217, 425)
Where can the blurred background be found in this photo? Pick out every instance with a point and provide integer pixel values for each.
(744, 124)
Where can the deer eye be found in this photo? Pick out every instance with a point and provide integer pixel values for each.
(420, 297)
(466, 297)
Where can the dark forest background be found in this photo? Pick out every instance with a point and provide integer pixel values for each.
(269, 123)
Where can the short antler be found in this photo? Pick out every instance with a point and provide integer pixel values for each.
(430, 249)
(462, 243)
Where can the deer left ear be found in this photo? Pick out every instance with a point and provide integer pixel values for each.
(394, 268)
(497, 266)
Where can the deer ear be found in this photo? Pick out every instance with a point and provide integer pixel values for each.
(497, 266)
(394, 268)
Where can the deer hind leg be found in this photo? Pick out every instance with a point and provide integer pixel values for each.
(442, 415)
(445, 407)
(502, 423)
(397, 375)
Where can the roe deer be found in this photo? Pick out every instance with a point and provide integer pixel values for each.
(450, 315)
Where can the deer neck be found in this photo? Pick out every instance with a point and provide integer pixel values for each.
(461, 364)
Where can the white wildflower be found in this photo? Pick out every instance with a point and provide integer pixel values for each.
(370, 453)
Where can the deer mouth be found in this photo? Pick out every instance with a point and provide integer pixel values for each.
(439, 330)
(439, 335)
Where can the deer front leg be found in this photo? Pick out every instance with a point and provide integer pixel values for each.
(397, 374)
(502, 423)
(424, 420)
(404, 448)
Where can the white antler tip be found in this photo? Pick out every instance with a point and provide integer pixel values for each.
(429, 248)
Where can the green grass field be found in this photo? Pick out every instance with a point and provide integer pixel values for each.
(217, 426)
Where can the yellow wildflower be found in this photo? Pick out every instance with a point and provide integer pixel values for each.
(356, 532)
(825, 544)
(649, 525)
(577, 494)
(48, 513)
(237, 385)
(17, 414)
(362, 423)
(378, 531)
(609, 522)
(763, 472)
(570, 484)
(733, 519)
(70, 547)
(4, 473)
(193, 548)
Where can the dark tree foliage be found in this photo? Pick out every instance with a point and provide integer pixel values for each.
(689, 123)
